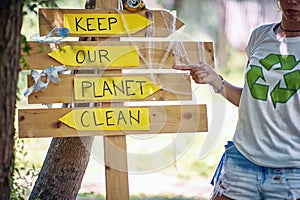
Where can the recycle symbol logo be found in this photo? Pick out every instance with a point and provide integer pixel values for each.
(278, 94)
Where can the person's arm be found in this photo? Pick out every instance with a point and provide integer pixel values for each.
(205, 74)
(229, 91)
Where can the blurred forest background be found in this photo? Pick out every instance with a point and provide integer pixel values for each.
(228, 23)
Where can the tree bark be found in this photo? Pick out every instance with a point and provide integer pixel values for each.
(11, 19)
(65, 163)
(63, 169)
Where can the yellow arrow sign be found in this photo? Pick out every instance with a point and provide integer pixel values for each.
(101, 23)
(91, 119)
(114, 88)
(105, 23)
(113, 56)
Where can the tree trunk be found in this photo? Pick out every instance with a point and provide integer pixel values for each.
(222, 39)
(64, 165)
(11, 19)
(63, 169)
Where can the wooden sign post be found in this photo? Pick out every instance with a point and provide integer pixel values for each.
(117, 186)
(111, 88)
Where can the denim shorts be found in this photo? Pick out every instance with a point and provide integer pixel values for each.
(241, 179)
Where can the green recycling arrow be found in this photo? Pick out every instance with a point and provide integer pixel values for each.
(290, 80)
(278, 94)
(258, 91)
(287, 62)
(282, 95)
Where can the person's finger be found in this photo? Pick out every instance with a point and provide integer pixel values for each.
(202, 75)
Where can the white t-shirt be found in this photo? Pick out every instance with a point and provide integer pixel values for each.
(268, 129)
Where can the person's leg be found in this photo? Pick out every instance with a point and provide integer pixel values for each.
(218, 197)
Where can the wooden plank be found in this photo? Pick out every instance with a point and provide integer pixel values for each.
(116, 176)
(115, 153)
(35, 123)
(174, 87)
(152, 55)
(160, 27)
(105, 4)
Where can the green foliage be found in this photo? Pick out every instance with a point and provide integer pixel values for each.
(25, 46)
(25, 49)
(235, 66)
(31, 6)
(90, 196)
(24, 173)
